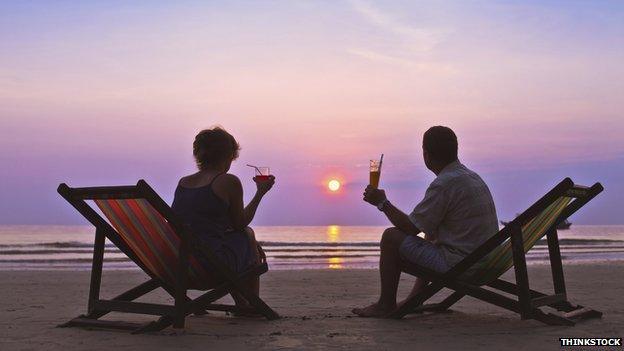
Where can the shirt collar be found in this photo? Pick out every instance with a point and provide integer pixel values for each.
(450, 167)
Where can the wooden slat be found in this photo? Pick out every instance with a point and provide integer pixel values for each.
(547, 300)
(221, 307)
(129, 295)
(134, 307)
(95, 323)
(104, 192)
(583, 313)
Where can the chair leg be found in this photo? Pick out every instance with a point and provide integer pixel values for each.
(181, 284)
(451, 300)
(94, 315)
(96, 268)
(556, 266)
(192, 306)
(129, 295)
(520, 270)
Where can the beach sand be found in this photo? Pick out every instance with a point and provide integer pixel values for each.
(315, 305)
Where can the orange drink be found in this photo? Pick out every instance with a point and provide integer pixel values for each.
(375, 173)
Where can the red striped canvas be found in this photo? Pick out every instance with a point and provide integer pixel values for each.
(150, 237)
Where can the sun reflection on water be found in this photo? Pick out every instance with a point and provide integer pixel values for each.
(333, 236)
(333, 233)
(335, 262)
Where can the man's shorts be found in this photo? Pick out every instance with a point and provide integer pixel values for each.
(424, 253)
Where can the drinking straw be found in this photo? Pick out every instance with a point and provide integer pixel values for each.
(380, 162)
(258, 169)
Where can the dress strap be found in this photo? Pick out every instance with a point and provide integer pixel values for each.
(215, 178)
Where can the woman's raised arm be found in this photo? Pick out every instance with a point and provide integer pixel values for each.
(240, 215)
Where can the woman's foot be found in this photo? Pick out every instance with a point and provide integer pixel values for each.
(245, 310)
(375, 310)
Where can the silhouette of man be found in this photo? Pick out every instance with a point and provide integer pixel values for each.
(456, 215)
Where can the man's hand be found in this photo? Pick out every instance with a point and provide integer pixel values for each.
(374, 196)
(397, 217)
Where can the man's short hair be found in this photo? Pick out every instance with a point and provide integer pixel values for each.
(441, 143)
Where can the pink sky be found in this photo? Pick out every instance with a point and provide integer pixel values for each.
(95, 94)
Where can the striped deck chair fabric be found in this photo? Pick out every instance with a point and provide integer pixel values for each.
(150, 237)
(143, 226)
(485, 284)
(500, 260)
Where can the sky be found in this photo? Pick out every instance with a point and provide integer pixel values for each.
(109, 92)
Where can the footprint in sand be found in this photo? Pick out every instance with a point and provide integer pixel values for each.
(284, 342)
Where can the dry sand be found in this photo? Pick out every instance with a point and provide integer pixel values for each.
(315, 305)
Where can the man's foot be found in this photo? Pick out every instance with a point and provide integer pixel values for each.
(402, 302)
(374, 311)
(415, 291)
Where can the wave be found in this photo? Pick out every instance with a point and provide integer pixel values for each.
(64, 260)
(296, 259)
(60, 244)
(271, 244)
(273, 251)
(110, 251)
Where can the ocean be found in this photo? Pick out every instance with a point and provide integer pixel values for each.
(27, 247)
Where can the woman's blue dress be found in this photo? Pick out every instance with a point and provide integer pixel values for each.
(207, 215)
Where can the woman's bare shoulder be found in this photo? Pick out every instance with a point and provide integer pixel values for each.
(228, 180)
(192, 180)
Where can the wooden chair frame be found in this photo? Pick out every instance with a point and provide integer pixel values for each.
(528, 301)
(183, 306)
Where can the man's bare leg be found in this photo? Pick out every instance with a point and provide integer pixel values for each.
(390, 272)
(419, 284)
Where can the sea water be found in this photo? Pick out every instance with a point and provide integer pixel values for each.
(26, 247)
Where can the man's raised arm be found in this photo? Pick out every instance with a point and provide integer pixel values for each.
(398, 218)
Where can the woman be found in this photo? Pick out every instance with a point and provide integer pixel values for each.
(211, 203)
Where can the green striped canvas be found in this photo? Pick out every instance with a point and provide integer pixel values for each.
(500, 260)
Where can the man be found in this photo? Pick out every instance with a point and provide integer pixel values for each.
(456, 215)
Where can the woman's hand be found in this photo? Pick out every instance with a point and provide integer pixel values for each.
(264, 185)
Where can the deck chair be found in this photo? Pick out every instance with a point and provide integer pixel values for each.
(505, 249)
(146, 230)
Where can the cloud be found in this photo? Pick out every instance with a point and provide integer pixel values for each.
(377, 56)
(411, 64)
(404, 45)
(419, 40)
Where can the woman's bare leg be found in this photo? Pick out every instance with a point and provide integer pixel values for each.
(253, 283)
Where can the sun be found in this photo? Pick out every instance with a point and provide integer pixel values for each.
(333, 185)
